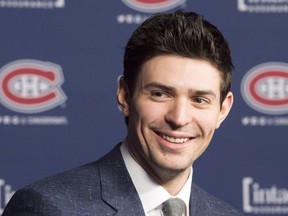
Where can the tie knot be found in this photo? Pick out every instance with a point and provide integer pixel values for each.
(173, 207)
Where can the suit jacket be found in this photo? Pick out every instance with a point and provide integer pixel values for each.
(103, 187)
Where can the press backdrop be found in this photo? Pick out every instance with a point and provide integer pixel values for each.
(59, 63)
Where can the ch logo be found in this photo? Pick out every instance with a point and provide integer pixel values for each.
(60, 3)
(153, 6)
(31, 86)
(265, 88)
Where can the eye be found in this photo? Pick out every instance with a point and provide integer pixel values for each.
(159, 95)
(201, 100)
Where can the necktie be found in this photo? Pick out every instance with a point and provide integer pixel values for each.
(173, 207)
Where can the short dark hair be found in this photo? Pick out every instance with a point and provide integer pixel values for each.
(181, 33)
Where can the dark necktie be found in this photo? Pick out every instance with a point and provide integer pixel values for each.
(173, 207)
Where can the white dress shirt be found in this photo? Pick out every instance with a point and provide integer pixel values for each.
(151, 194)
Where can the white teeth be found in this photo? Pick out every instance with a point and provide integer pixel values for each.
(175, 140)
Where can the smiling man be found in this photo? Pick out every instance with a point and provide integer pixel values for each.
(174, 94)
(173, 113)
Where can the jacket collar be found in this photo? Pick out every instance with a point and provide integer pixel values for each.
(119, 192)
(116, 185)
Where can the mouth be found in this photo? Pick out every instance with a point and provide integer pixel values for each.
(175, 140)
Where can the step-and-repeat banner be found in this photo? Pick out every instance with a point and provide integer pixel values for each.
(59, 64)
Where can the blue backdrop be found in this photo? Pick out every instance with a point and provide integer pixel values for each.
(59, 63)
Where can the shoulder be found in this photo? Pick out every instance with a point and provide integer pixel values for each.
(80, 179)
(202, 201)
(69, 180)
(51, 195)
(70, 191)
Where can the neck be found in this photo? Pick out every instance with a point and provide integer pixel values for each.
(170, 179)
(173, 183)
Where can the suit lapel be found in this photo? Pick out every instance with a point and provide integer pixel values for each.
(198, 202)
(117, 187)
(119, 192)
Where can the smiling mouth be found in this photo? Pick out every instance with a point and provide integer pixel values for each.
(176, 140)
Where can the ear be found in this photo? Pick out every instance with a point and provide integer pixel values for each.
(123, 96)
(225, 108)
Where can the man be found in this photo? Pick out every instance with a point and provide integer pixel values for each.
(174, 93)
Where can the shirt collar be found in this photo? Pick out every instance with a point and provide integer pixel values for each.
(147, 187)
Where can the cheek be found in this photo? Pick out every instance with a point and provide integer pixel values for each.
(208, 121)
(139, 119)
(148, 112)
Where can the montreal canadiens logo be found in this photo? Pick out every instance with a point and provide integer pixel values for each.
(31, 86)
(265, 88)
(152, 6)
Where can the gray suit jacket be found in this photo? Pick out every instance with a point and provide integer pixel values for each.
(103, 187)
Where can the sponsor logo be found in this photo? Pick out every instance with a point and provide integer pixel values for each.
(265, 88)
(5, 194)
(16, 120)
(260, 200)
(131, 18)
(264, 121)
(147, 6)
(152, 6)
(31, 86)
(32, 4)
(263, 6)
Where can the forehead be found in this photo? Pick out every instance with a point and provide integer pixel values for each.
(180, 72)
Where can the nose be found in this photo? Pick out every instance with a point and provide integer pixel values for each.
(179, 113)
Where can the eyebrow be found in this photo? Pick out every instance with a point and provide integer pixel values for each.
(199, 92)
(202, 92)
(159, 86)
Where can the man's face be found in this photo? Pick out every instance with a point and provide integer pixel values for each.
(173, 112)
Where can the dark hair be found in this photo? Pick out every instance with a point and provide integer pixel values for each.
(181, 33)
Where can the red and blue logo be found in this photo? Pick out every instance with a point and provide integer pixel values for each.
(265, 88)
(153, 6)
(31, 86)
